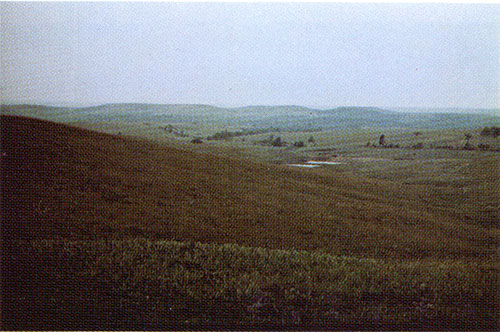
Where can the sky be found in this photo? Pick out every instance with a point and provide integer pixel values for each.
(235, 54)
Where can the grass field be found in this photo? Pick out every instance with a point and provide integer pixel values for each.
(167, 284)
(465, 180)
(110, 231)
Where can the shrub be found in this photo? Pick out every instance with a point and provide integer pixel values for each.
(483, 147)
(468, 146)
(223, 135)
(277, 142)
(492, 131)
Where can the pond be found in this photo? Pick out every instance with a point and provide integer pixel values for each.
(303, 165)
(313, 164)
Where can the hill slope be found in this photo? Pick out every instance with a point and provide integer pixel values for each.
(103, 232)
(71, 183)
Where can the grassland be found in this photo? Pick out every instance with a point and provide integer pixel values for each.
(108, 231)
(464, 180)
(167, 284)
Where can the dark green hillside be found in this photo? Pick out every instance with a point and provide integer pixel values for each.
(100, 231)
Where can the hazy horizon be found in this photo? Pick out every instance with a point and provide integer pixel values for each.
(323, 55)
(482, 111)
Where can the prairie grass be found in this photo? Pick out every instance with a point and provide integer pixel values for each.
(191, 284)
(101, 231)
(68, 183)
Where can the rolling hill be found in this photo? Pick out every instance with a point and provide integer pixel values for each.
(288, 117)
(58, 176)
(83, 212)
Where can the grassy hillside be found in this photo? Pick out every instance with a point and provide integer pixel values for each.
(61, 175)
(88, 215)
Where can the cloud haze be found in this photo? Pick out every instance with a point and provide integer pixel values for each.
(230, 54)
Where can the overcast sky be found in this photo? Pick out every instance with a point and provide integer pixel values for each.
(233, 54)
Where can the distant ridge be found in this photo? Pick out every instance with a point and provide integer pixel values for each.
(285, 117)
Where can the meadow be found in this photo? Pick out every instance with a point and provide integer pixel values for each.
(148, 284)
(130, 225)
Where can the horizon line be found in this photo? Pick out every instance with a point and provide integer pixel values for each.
(71, 104)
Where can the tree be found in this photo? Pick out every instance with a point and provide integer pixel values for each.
(311, 140)
(277, 142)
(381, 140)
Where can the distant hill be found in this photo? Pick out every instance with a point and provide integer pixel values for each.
(286, 117)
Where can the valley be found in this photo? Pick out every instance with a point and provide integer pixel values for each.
(140, 224)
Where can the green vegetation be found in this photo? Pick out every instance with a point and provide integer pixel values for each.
(277, 142)
(196, 141)
(227, 135)
(492, 131)
(287, 117)
(169, 284)
(170, 129)
(381, 140)
(114, 232)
